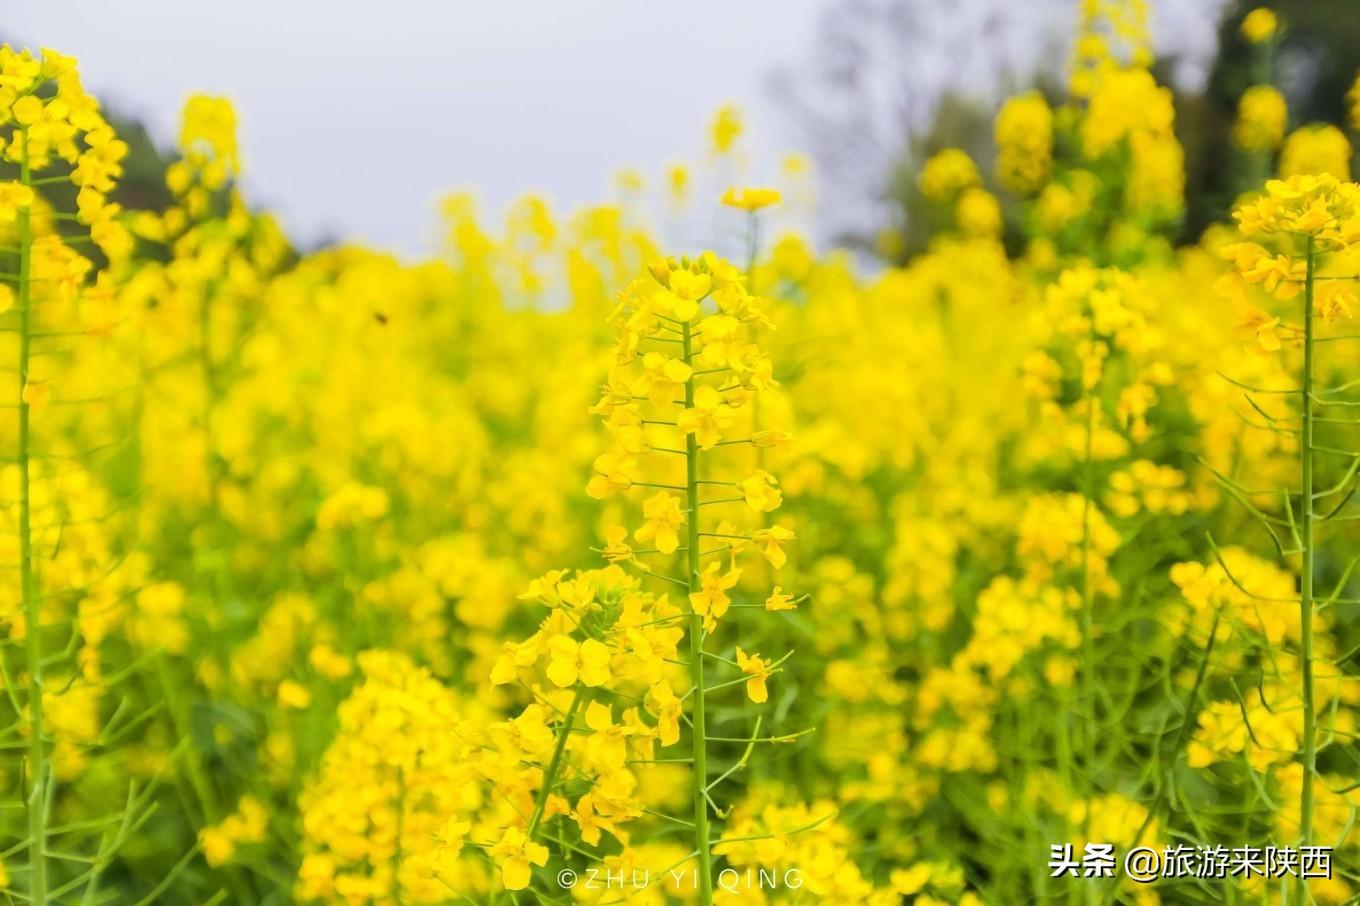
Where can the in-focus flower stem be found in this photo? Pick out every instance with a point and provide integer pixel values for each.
(399, 855)
(555, 763)
(696, 641)
(1306, 590)
(1087, 617)
(752, 248)
(37, 753)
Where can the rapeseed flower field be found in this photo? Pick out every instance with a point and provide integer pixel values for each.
(570, 567)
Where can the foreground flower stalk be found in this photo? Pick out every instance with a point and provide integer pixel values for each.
(604, 675)
(1308, 219)
(1308, 557)
(698, 714)
(553, 769)
(699, 396)
(47, 124)
(36, 769)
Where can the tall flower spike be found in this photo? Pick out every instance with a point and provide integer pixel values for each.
(697, 411)
(51, 132)
(680, 408)
(1310, 221)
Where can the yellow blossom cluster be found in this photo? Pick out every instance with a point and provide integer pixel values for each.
(1316, 150)
(1024, 141)
(381, 820)
(1262, 115)
(947, 173)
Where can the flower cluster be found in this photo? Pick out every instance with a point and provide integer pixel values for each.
(386, 816)
(1024, 141)
(1321, 207)
(46, 127)
(947, 173)
(1261, 119)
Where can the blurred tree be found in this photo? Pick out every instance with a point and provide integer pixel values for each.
(892, 81)
(142, 186)
(143, 182)
(1314, 61)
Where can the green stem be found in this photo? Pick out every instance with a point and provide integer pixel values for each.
(1182, 733)
(1306, 591)
(752, 245)
(696, 660)
(1087, 617)
(211, 390)
(1063, 744)
(37, 754)
(398, 856)
(180, 720)
(752, 250)
(555, 764)
(200, 790)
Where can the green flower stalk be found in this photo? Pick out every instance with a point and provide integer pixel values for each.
(1308, 559)
(554, 768)
(52, 134)
(720, 370)
(37, 796)
(1308, 216)
(698, 713)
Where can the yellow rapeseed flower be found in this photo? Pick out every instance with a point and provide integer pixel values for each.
(761, 490)
(663, 520)
(750, 198)
(758, 669)
(1315, 150)
(13, 196)
(726, 128)
(708, 418)
(711, 601)
(947, 173)
(570, 661)
(1260, 25)
(1024, 142)
(514, 853)
(294, 695)
(1261, 118)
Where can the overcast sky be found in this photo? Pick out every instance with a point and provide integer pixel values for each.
(356, 115)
